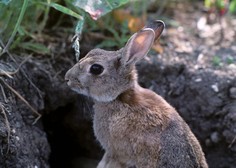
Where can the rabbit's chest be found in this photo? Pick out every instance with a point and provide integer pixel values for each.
(111, 128)
(101, 128)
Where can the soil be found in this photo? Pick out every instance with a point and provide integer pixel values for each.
(193, 73)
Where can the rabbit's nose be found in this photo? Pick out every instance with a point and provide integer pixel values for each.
(68, 76)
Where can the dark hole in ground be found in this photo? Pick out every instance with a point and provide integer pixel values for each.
(70, 135)
(62, 145)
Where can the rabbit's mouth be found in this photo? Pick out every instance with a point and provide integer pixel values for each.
(78, 87)
(74, 84)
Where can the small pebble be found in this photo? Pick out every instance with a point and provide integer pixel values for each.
(215, 138)
(215, 87)
(232, 66)
(198, 80)
(17, 138)
(200, 57)
(208, 142)
(232, 92)
(13, 131)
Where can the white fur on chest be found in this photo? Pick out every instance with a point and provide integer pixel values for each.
(112, 129)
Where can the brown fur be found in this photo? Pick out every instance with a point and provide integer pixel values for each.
(136, 127)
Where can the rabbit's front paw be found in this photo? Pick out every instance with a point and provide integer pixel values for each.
(102, 164)
(108, 162)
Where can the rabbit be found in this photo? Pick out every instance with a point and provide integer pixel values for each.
(135, 126)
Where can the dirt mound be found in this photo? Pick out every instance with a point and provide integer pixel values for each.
(23, 144)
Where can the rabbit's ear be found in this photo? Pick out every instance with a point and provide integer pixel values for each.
(157, 26)
(138, 45)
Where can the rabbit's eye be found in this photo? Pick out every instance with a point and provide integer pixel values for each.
(96, 69)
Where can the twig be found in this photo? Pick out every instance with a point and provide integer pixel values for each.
(45, 17)
(222, 35)
(3, 93)
(5, 73)
(32, 84)
(22, 71)
(231, 144)
(7, 125)
(9, 73)
(23, 99)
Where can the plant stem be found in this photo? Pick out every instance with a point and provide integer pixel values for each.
(45, 17)
(22, 12)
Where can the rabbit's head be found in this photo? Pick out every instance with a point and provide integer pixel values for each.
(104, 75)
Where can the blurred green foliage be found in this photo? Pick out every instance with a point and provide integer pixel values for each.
(216, 60)
(29, 17)
(22, 17)
(232, 6)
(222, 6)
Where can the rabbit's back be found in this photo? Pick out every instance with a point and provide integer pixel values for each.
(179, 147)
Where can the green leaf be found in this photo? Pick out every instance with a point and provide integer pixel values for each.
(208, 3)
(35, 47)
(65, 10)
(230, 60)
(216, 60)
(220, 4)
(232, 6)
(98, 8)
(79, 27)
(6, 2)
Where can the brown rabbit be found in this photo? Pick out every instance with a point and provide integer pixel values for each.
(135, 126)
